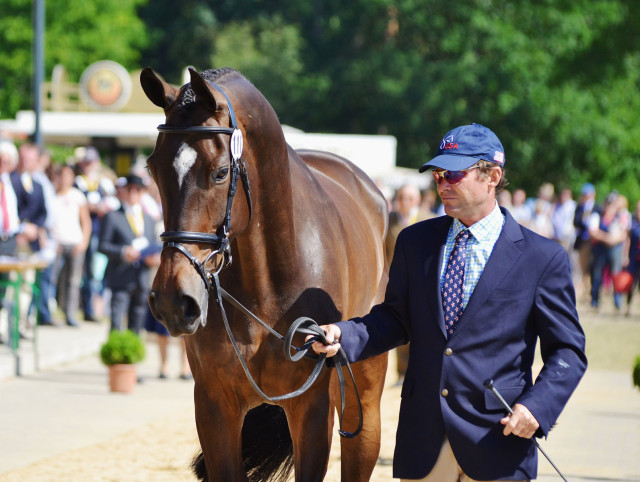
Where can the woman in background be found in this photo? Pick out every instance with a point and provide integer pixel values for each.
(71, 230)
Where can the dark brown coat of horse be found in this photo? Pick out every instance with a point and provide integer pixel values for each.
(313, 246)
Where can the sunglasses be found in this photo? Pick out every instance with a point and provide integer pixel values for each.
(452, 177)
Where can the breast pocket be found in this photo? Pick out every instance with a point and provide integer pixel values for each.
(507, 294)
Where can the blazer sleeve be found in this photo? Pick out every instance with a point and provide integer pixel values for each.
(562, 343)
(386, 325)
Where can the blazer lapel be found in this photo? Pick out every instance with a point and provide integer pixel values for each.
(434, 251)
(505, 254)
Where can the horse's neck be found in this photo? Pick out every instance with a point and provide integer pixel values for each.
(267, 248)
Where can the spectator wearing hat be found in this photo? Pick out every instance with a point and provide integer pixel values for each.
(128, 239)
(100, 193)
(473, 292)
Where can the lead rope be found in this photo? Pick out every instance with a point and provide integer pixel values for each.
(305, 326)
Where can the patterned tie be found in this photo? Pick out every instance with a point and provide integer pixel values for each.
(453, 286)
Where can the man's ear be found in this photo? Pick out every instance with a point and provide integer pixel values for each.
(495, 175)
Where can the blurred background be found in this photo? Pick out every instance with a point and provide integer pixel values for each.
(557, 80)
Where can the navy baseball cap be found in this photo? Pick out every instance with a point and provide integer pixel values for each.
(463, 146)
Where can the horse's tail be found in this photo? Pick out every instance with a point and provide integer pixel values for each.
(267, 448)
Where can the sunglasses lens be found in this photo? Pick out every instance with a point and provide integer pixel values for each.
(452, 177)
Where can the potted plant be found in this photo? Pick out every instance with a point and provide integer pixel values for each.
(636, 372)
(121, 351)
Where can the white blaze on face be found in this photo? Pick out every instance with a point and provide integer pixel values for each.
(185, 158)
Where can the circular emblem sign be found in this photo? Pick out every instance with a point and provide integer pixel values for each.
(105, 85)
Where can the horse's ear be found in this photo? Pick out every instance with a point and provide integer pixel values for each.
(158, 91)
(202, 90)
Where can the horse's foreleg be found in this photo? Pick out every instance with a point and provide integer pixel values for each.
(310, 420)
(360, 454)
(220, 432)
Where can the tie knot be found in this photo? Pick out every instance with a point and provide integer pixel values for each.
(462, 236)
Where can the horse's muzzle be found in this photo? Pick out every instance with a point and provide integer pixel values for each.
(183, 317)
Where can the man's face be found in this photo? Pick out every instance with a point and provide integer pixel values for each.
(407, 198)
(134, 194)
(28, 160)
(472, 198)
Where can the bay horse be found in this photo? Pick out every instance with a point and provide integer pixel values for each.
(305, 240)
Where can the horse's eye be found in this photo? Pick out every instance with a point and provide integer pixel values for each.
(221, 174)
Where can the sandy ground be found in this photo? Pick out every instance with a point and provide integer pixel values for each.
(162, 450)
(597, 437)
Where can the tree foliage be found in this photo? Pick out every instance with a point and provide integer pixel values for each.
(556, 80)
(76, 35)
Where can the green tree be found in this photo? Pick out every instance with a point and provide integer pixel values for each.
(76, 35)
(181, 34)
(557, 80)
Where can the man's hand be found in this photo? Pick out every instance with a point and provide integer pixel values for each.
(522, 423)
(152, 260)
(333, 334)
(130, 254)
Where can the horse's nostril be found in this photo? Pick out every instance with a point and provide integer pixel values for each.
(151, 299)
(190, 309)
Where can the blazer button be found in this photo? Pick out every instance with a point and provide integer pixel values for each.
(448, 352)
(444, 392)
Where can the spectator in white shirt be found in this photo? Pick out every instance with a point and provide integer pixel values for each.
(71, 229)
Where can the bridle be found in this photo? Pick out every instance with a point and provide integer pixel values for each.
(220, 240)
(222, 246)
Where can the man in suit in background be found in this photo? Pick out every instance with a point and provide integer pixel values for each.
(473, 291)
(9, 219)
(33, 208)
(127, 237)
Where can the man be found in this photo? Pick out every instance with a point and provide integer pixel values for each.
(128, 239)
(514, 288)
(9, 220)
(582, 245)
(32, 208)
(405, 213)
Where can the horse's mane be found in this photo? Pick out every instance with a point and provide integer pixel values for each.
(187, 95)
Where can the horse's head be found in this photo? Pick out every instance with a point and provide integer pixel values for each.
(196, 165)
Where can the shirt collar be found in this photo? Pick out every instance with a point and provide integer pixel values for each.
(483, 229)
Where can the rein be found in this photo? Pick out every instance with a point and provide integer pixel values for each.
(222, 246)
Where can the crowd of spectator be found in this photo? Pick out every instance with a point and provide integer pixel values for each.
(601, 238)
(57, 211)
(96, 233)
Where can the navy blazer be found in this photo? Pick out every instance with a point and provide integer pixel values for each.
(32, 206)
(115, 234)
(525, 293)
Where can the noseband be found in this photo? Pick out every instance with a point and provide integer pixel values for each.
(220, 240)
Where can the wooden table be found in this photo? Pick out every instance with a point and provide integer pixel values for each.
(16, 268)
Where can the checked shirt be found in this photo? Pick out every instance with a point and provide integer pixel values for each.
(479, 247)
